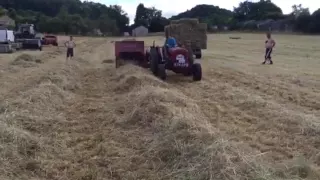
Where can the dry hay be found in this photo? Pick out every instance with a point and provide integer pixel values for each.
(65, 79)
(26, 61)
(235, 38)
(127, 124)
(80, 60)
(129, 39)
(167, 136)
(29, 123)
(108, 61)
(131, 77)
(56, 51)
(152, 131)
(189, 21)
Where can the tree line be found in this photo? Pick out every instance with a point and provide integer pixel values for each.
(77, 17)
(67, 16)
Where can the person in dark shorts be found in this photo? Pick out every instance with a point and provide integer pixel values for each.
(70, 46)
(269, 43)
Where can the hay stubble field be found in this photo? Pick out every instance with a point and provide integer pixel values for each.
(86, 120)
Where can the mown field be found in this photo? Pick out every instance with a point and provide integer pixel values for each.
(86, 120)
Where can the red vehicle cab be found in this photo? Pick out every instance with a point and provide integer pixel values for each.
(50, 39)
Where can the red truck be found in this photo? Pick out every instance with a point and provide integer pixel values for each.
(50, 39)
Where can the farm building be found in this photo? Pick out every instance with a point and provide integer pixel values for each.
(6, 21)
(126, 34)
(97, 32)
(140, 31)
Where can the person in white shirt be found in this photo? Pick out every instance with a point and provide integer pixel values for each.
(70, 46)
(269, 44)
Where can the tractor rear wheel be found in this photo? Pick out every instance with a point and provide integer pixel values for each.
(162, 71)
(197, 72)
(154, 61)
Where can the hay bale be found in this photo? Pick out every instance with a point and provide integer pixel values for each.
(174, 22)
(183, 32)
(190, 21)
(203, 26)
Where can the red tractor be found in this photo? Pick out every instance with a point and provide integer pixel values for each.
(179, 59)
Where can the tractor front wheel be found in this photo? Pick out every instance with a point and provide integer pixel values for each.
(197, 72)
(154, 61)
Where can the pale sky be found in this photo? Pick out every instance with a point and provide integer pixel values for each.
(173, 7)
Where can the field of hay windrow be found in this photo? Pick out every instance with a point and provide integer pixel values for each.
(87, 121)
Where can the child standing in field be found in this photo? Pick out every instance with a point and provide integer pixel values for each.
(70, 46)
(269, 44)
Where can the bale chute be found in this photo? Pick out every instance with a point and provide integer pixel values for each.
(130, 51)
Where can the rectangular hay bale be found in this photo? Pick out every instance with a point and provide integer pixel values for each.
(190, 21)
(203, 26)
(183, 32)
(174, 22)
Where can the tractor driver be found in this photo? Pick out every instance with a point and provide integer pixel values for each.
(171, 42)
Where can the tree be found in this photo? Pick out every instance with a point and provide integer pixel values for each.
(141, 16)
(2, 11)
(144, 16)
(262, 10)
(298, 10)
(108, 25)
(304, 21)
(120, 17)
(68, 16)
(212, 15)
(314, 26)
(12, 13)
(157, 24)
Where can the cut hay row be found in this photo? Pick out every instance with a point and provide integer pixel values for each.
(182, 136)
(88, 121)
